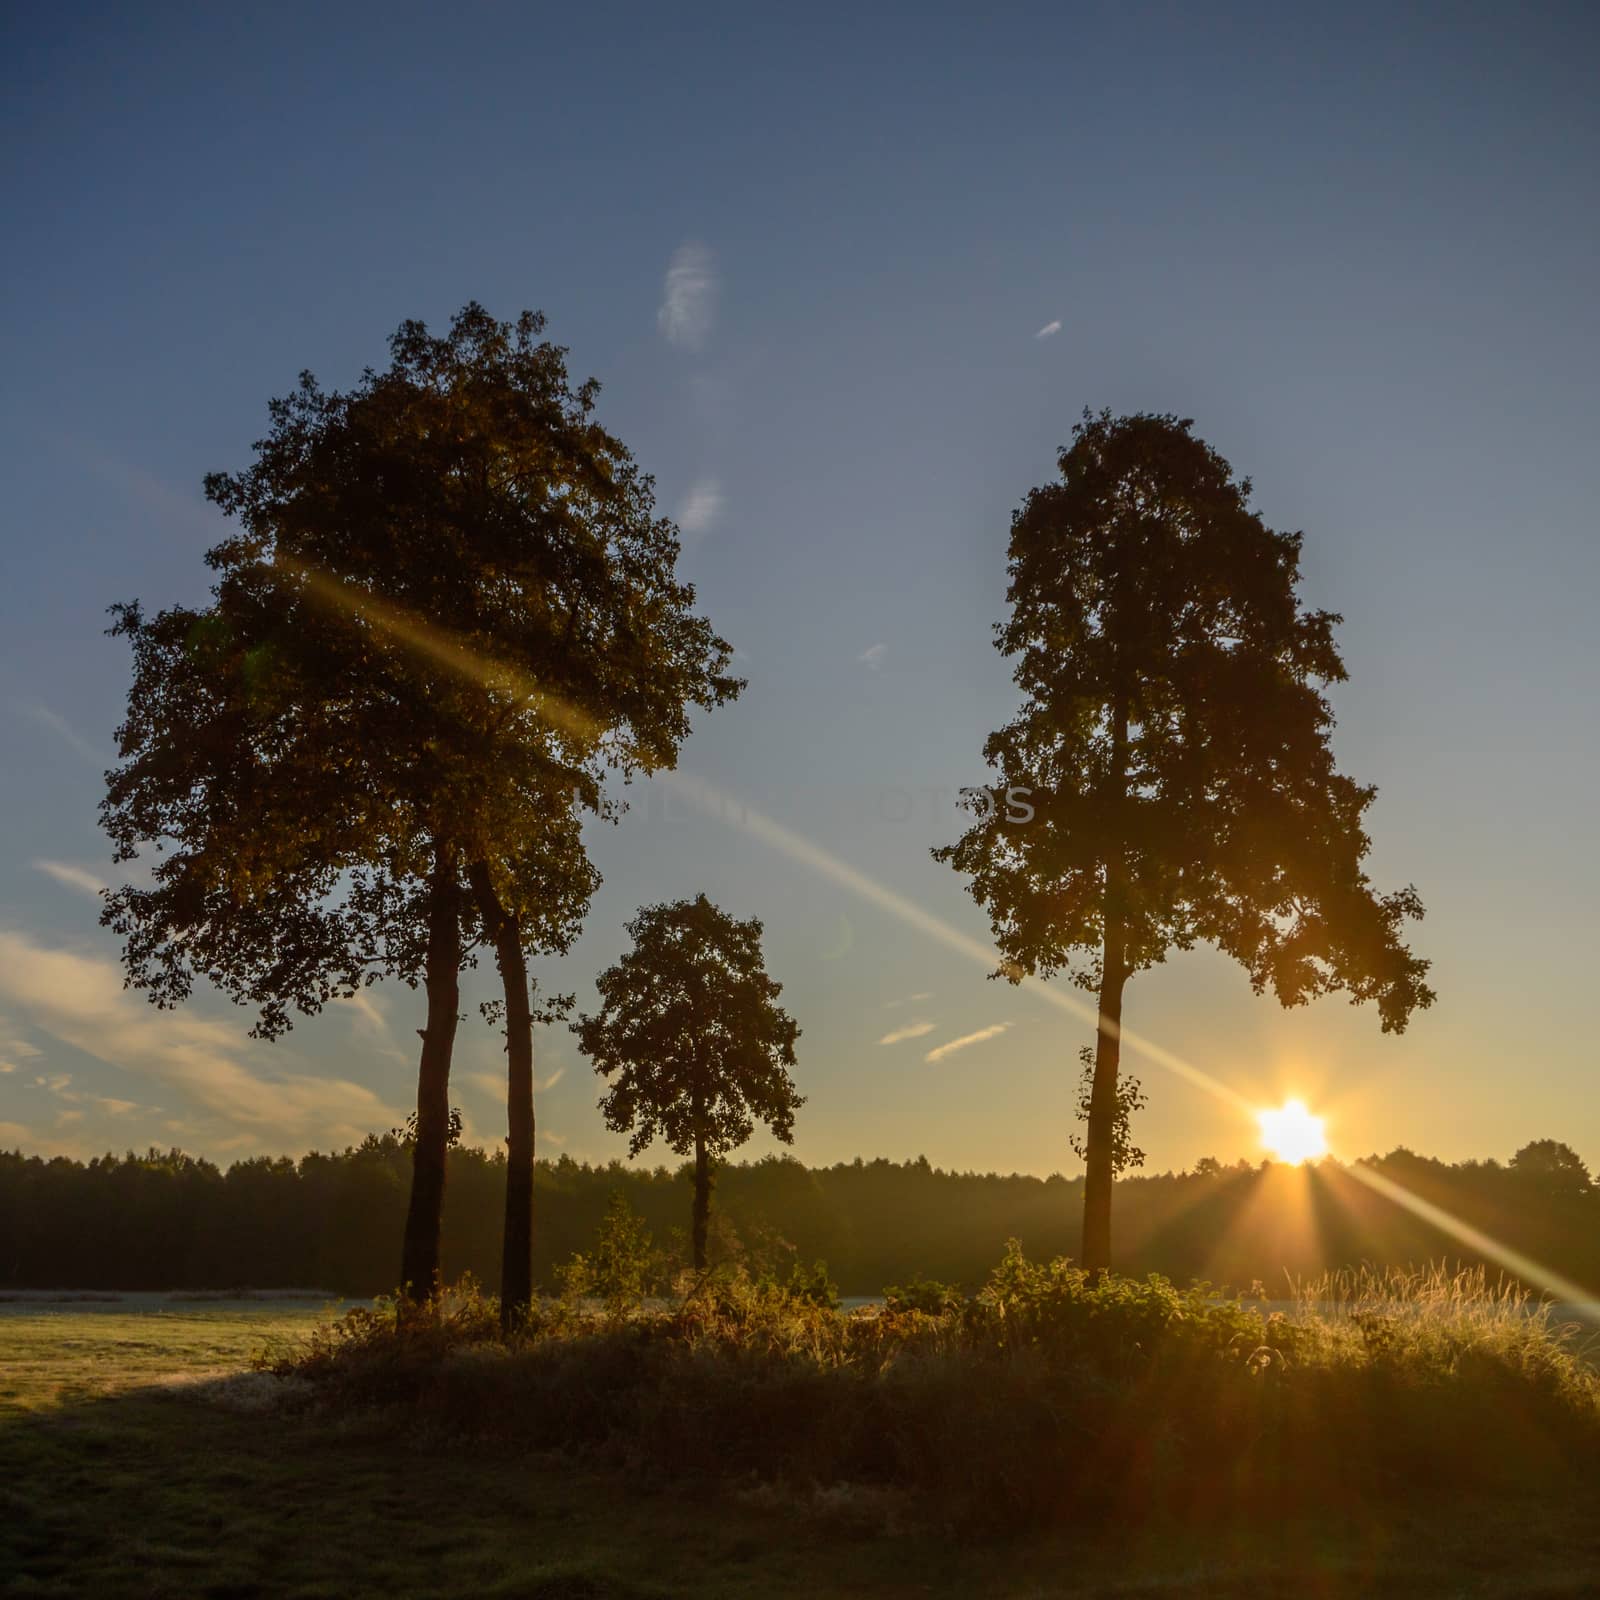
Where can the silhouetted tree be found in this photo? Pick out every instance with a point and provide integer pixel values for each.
(449, 611)
(692, 1038)
(1175, 737)
(1555, 1167)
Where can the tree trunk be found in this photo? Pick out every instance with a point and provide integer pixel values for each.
(516, 1259)
(1101, 1138)
(419, 1260)
(702, 1202)
(1100, 1142)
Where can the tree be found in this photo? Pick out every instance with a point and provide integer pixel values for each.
(692, 1038)
(450, 610)
(1174, 735)
(621, 1266)
(1555, 1167)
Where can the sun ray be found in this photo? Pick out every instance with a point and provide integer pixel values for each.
(1486, 1245)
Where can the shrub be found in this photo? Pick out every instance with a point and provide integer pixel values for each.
(1044, 1397)
(812, 1286)
(926, 1295)
(621, 1267)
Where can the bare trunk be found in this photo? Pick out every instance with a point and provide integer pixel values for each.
(419, 1260)
(702, 1202)
(516, 1260)
(1102, 1118)
(1100, 1142)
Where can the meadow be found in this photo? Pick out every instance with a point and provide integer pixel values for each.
(1429, 1435)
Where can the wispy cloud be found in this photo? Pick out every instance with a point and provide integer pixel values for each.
(80, 1000)
(908, 1000)
(59, 1084)
(493, 1084)
(912, 1030)
(689, 297)
(1049, 330)
(73, 877)
(966, 1039)
(873, 656)
(14, 1048)
(58, 725)
(701, 508)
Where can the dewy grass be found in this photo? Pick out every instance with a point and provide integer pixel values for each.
(1044, 1398)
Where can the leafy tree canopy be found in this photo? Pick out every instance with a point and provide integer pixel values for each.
(691, 1035)
(1174, 732)
(449, 609)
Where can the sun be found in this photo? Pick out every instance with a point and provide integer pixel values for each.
(1292, 1134)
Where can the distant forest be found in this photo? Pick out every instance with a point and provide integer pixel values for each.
(166, 1220)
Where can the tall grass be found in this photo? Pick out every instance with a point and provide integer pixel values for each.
(1044, 1397)
(1434, 1324)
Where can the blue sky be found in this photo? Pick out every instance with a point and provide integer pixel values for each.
(847, 278)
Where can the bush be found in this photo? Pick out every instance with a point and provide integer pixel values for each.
(812, 1286)
(926, 1295)
(622, 1266)
(1044, 1397)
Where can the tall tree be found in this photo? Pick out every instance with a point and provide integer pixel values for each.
(691, 1036)
(449, 611)
(1175, 736)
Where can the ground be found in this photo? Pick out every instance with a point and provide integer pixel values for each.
(124, 1472)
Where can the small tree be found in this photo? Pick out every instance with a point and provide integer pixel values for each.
(621, 1267)
(1174, 736)
(692, 1039)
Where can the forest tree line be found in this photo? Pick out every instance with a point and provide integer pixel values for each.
(167, 1220)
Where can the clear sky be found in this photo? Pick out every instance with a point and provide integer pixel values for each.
(848, 276)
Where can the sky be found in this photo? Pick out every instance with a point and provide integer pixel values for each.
(847, 277)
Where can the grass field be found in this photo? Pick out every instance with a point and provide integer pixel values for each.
(127, 1468)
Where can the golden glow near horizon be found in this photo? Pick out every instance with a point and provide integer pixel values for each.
(1292, 1134)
